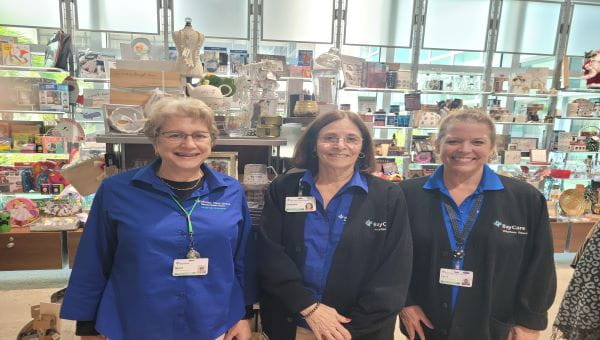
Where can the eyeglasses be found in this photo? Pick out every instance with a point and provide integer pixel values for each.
(177, 137)
(348, 140)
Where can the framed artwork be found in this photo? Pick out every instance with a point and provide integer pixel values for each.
(281, 66)
(224, 162)
(538, 156)
(512, 157)
(524, 144)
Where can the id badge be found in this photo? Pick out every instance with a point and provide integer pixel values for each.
(300, 204)
(190, 267)
(456, 277)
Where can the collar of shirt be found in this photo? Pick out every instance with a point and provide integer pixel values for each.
(358, 180)
(489, 181)
(213, 180)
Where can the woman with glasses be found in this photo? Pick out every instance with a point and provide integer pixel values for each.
(166, 252)
(335, 249)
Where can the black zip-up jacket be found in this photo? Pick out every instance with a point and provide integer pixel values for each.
(370, 271)
(509, 251)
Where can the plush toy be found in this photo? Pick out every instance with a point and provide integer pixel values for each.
(591, 69)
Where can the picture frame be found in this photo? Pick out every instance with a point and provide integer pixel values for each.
(538, 156)
(280, 61)
(512, 157)
(224, 162)
(524, 144)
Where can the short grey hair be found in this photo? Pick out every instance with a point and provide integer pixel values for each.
(466, 115)
(180, 107)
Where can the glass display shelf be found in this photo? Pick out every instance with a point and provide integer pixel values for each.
(523, 95)
(30, 195)
(454, 93)
(579, 152)
(579, 118)
(368, 89)
(30, 68)
(524, 124)
(296, 78)
(34, 112)
(391, 127)
(9, 158)
(93, 80)
(578, 92)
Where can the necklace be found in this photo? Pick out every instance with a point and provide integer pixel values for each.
(181, 189)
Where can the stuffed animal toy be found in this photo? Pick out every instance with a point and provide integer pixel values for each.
(591, 69)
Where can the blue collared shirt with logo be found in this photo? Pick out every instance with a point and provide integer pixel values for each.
(323, 229)
(489, 181)
(122, 276)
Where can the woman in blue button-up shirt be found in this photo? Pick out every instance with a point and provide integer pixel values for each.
(166, 251)
(335, 246)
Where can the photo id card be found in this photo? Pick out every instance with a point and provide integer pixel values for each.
(456, 277)
(300, 204)
(190, 267)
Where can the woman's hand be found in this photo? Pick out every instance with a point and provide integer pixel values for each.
(239, 331)
(93, 337)
(523, 333)
(411, 317)
(326, 323)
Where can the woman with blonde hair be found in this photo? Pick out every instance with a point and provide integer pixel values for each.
(483, 265)
(167, 251)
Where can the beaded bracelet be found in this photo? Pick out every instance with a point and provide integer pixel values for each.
(311, 311)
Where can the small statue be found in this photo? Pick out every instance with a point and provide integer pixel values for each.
(591, 69)
(188, 42)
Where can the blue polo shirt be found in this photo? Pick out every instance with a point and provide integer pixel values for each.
(323, 229)
(122, 276)
(489, 181)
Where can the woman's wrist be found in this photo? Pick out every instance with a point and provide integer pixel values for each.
(310, 310)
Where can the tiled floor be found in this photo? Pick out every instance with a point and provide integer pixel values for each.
(18, 294)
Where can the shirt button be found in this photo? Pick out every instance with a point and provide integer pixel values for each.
(444, 305)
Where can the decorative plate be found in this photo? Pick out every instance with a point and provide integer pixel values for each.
(70, 129)
(572, 202)
(127, 119)
(141, 47)
(22, 211)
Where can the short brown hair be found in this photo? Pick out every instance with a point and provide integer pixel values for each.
(304, 152)
(170, 107)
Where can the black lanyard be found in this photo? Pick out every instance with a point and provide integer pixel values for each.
(460, 238)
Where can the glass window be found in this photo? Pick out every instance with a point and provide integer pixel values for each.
(31, 13)
(118, 16)
(528, 27)
(456, 24)
(389, 23)
(584, 30)
(301, 21)
(206, 19)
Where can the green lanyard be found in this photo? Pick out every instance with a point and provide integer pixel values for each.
(192, 253)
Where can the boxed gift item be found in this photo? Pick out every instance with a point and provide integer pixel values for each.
(54, 97)
(15, 54)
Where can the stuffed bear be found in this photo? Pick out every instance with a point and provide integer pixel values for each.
(591, 69)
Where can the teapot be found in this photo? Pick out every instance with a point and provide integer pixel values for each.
(210, 95)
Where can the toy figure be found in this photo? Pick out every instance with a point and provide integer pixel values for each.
(591, 69)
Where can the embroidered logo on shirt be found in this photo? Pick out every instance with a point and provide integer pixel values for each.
(342, 217)
(376, 226)
(510, 229)
(214, 205)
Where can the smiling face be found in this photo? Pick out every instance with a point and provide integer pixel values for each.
(181, 158)
(466, 147)
(338, 145)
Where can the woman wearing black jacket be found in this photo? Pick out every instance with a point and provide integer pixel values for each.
(483, 263)
(339, 267)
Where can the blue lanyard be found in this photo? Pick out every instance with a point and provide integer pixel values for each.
(459, 236)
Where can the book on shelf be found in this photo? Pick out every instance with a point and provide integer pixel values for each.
(237, 58)
(215, 59)
(54, 97)
(91, 64)
(54, 144)
(300, 71)
(305, 58)
(15, 54)
(352, 67)
(280, 62)
(374, 77)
